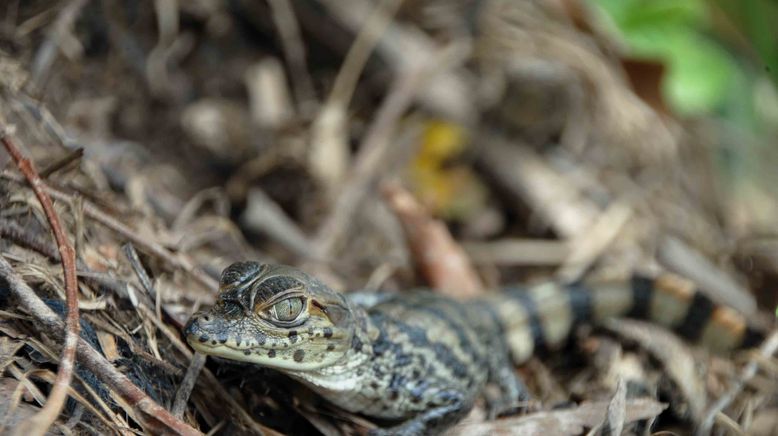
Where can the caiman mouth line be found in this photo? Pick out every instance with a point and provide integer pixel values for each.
(218, 346)
(208, 346)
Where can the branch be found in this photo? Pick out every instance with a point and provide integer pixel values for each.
(38, 424)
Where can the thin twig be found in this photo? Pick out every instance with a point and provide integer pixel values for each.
(262, 214)
(555, 199)
(150, 415)
(716, 283)
(329, 150)
(212, 384)
(187, 384)
(144, 278)
(140, 272)
(62, 162)
(404, 48)
(522, 252)
(767, 349)
(38, 424)
(294, 53)
(59, 39)
(360, 51)
(374, 149)
(23, 237)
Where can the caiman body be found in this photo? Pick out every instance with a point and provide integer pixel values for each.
(422, 359)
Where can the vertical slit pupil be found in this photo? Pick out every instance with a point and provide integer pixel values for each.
(288, 309)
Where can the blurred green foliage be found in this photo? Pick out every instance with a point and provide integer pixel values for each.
(721, 61)
(714, 50)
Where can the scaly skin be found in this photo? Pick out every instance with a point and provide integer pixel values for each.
(422, 359)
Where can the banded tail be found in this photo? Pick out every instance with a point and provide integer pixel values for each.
(544, 315)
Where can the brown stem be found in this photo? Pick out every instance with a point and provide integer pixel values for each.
(38, 424)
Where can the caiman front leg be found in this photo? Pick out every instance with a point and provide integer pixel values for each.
(447, 407)
(513, 392)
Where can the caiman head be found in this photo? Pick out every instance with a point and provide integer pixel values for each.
(275, 316)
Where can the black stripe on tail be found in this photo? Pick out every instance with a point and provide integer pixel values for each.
(677, 303)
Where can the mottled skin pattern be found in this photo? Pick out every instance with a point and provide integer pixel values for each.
(419, 359)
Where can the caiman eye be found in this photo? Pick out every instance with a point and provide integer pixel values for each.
(288, 309)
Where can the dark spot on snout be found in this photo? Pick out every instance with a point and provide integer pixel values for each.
(299, 355)
(203, 338)
(327, 332)
(271, 354)
(293, 336)
(356, 344)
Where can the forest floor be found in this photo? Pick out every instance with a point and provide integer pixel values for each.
(512, 140)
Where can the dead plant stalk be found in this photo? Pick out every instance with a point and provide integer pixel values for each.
(40, 422)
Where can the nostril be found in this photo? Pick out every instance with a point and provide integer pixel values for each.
(206, 318)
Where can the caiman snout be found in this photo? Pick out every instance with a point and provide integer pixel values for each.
(200, 328)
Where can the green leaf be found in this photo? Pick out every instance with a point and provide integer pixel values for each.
(664, 13)
(700, 75)
(670, 31)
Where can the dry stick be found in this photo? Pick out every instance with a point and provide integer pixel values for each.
(262, 214)
(294, 52)
(38, 424)
(558, 201)
(24, 237)
(187, 384)
(717, 284)
(59, 39)
(359, 53)
(62, 162)
(329, 149)
(616, 412)
(196, 365)
(438, 256)
(766, 350)
(145, 280)
(140, 272)
(93, 212)
(153, 417)
(182, 395)
(404, 47)
(212, 383)
(513, 252)
(587, 247)
(373, 151)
